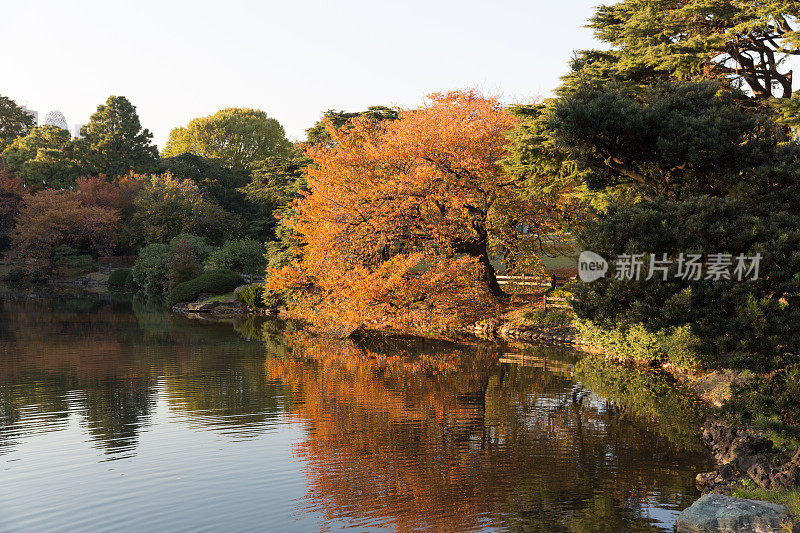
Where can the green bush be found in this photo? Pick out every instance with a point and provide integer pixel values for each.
(245, 255)
(151, 269)
(674, 345)
(252, 295)
(121, 277)
(211, 282)
(770, 403)
(273, 299)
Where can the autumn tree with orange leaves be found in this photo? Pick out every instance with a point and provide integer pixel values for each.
(51, 218)
(402, 217)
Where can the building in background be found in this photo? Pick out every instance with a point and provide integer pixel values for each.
(56, 118)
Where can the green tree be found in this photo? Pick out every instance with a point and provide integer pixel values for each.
(114, 143)
(151, 270)
(671, 139)
(276, 183)
(232, 137)
(318, 135)
(741, 41)
(14, 122)
(749, 323)
(43, 158)
(166, 207)
(219, 182)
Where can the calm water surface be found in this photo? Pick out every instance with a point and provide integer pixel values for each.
(115, 416)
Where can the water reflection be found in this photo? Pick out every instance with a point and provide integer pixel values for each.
(451, 439)
(82, 356)
(396, 434)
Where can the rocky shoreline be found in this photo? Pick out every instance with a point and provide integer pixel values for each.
(743, 454)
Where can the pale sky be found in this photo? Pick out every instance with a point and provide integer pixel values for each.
(180, 59)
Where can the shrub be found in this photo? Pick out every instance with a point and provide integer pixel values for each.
(245, 255)
(634, 342)
(211, 281)
(770, 403)
(201, 248)
(151, 269)
(121, 277)
(549, 319)
(273, 299)
(251, 295)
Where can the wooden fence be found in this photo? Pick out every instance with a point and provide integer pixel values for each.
(528, 281)
(552, 302)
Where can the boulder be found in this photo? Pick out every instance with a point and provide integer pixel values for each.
(716, 513)
(201, 307)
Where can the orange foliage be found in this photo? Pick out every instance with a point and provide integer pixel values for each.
(100, 192)
(400, 219)
(51, 218)
(12, 191)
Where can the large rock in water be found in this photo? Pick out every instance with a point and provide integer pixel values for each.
(724, 514)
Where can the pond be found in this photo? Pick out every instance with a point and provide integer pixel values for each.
(117, 416)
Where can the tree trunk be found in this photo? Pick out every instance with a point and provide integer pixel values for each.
(490, 278)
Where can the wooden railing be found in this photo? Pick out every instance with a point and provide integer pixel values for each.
(552, 302)
(528, 281)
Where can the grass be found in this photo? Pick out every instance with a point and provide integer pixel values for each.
(97, 276)
(790, 498)
(228, 296)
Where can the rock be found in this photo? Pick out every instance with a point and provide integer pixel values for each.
(739, 451)
(201, 307)
(724, 514)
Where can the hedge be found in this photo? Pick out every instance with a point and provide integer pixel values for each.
(211, 282)
(121, 277)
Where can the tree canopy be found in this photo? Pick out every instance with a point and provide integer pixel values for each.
(51, 218)
(232, 137)
(114, 143)
(318, 133)
(14, 122)
(672, 139)
(43, 158)
(401, 216)
(166, 206)
(741, 41)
